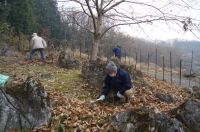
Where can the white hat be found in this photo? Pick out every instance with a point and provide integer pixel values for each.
(34, 34)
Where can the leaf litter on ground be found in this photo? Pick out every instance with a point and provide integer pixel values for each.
(71, 97)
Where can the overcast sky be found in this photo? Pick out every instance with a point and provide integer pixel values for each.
(160, 30)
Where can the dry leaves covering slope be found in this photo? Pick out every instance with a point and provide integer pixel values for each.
(71, 96)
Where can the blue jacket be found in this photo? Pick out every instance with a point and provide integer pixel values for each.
(121, 82)
(117, 51)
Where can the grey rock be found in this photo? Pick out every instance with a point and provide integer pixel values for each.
(94, 72)
(189, 114)
(196, 92)
(66, 60)
(24, 106)
(165, 98)
(142, 120)
(5, 51)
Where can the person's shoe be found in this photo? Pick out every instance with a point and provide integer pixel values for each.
(116, 98)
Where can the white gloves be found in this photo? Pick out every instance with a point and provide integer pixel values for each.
(101, 98)
(119, 95)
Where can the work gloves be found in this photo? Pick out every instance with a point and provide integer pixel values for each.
(119, 95)
(101, 98)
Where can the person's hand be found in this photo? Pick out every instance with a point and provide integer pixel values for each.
(101, 98)
(119, 95)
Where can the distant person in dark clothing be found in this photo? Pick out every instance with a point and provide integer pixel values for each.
(118, 52)
(117, 79)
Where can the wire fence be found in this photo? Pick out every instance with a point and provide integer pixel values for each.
(160, 67)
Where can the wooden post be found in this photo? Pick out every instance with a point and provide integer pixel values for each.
(163, 68)
(125, 57)
(80, 49)
(191, 67)
(136, 61)
(156, 63)
(171, 66)
(88, 51)
(140, 59)
(180, 72)
(129, 56)
(148, 64)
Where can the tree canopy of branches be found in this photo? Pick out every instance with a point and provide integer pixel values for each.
(107, 14)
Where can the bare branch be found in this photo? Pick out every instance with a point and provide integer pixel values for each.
(97, 6)
(85, 11)
(108, 4)
(92, 15)
(138, 22)
(114, 5)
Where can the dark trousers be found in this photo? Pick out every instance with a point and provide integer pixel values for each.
(41, 50)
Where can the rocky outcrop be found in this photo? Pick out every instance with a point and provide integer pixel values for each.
(24, 106)
(189, 114)
(165, 98)
(66, 60)
(143, 120)
(185, 118)
(7, 52)
(196, 92)
(94, 71)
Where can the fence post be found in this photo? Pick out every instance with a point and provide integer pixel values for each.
(129, 56)
(80, 49)
(156, 63)
(180, 72)
(191, 67)
(148, 64)
(140, 59)
(73, 48)
(136, 61)
(171, 66)
(88, 52)
(163, 68)
(125, 57)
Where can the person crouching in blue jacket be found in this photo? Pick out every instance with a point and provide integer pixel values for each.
(118, 52)
(118, 79)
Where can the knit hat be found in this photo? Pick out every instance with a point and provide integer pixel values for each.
(111, 67)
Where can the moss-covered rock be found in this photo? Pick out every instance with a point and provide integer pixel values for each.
(146, 120)
(66, 60)
(24, 106)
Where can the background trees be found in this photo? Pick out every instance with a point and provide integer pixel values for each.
(107, 14)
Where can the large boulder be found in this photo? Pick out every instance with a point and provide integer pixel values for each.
(165, 98)
(24, 106)
(143, 120)
(94, 72)
(7, 52)
(196, 92)
(66, 60)
(189, 114)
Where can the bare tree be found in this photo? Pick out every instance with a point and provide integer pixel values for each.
(127, 12)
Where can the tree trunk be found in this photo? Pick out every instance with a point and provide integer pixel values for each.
(95, 47)
(97, 37)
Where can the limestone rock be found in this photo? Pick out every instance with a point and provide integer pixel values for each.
(24, 106)
(66, 60)
(142, 120)
(165, 98)
(189, 114)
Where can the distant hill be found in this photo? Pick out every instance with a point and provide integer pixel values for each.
(188, 46)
